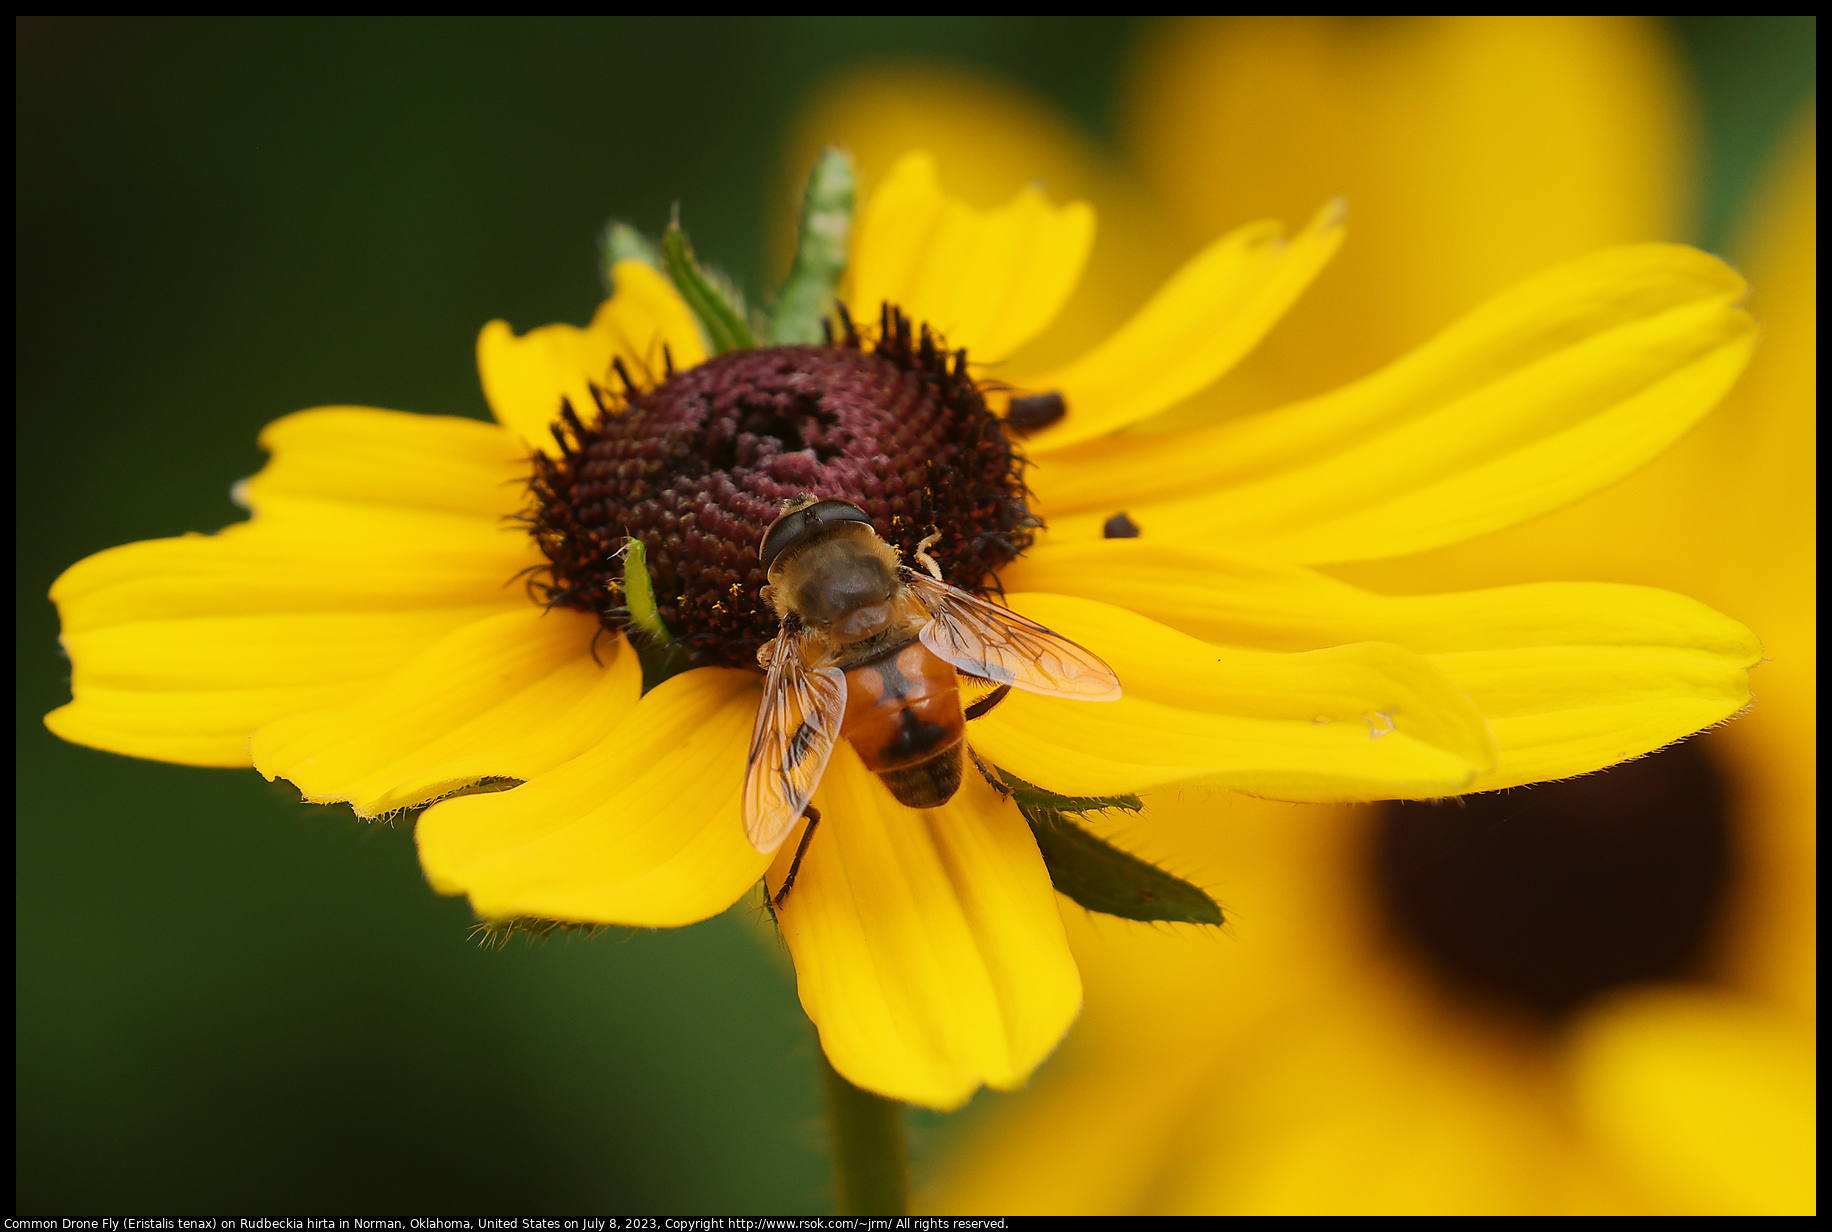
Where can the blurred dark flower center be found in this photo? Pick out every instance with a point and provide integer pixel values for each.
(698, 466)
(1541, 898)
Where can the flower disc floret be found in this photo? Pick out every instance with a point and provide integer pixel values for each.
(697, 467)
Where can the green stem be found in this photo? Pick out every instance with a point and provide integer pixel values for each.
(871, 1153)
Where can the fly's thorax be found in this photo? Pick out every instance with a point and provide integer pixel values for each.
(843, 584)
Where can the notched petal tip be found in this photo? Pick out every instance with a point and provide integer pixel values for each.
(1201, 323)
(988, 280)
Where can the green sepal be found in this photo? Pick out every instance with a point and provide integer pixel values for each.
(621, 242)
(820, 252)
(1098, 875)
(715, 301)
(661, 656)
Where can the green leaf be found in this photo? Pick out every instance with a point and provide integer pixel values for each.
(622, 242)
(1105, 879)
(820, 252)
(715, 301)
(1029, 794)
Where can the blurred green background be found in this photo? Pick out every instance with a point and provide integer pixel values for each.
(228, 1002)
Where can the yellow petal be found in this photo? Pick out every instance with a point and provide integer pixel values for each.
(1709, 1100)
(190, 726)
(1474, 151)
(1572, 677)
(1216, 596)
(246, 570)
(192, 690)
(364, 456)
(1075, 1144)
(1552, 391)
(645, 324)
(180, 648)
(1364, 722)
(1216, 308)
(386, 481)
(928, 948)
(511, 696)
(1241, 601)
(1357, 1110)
(987, 280)
(1728, 516)
(990, 139)
(1557, 711)
(643, 828)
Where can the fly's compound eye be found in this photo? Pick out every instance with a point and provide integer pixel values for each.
(797, 525)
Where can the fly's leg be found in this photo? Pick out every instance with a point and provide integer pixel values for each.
(924, 559)
(989, 774)
(814, 819)
(982, 707)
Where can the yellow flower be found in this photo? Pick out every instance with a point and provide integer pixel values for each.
(363, 635)
(1313, 1062)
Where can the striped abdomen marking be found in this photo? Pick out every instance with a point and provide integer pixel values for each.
(904, 710)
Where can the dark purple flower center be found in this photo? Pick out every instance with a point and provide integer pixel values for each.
(698, 467)
(1544, 898)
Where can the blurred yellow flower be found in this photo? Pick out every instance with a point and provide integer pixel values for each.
(1315, 1061)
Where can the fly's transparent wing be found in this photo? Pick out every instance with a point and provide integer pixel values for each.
(797, 723)
(983, 639)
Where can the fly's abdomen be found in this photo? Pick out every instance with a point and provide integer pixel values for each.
(904, 710)
(928, 784)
